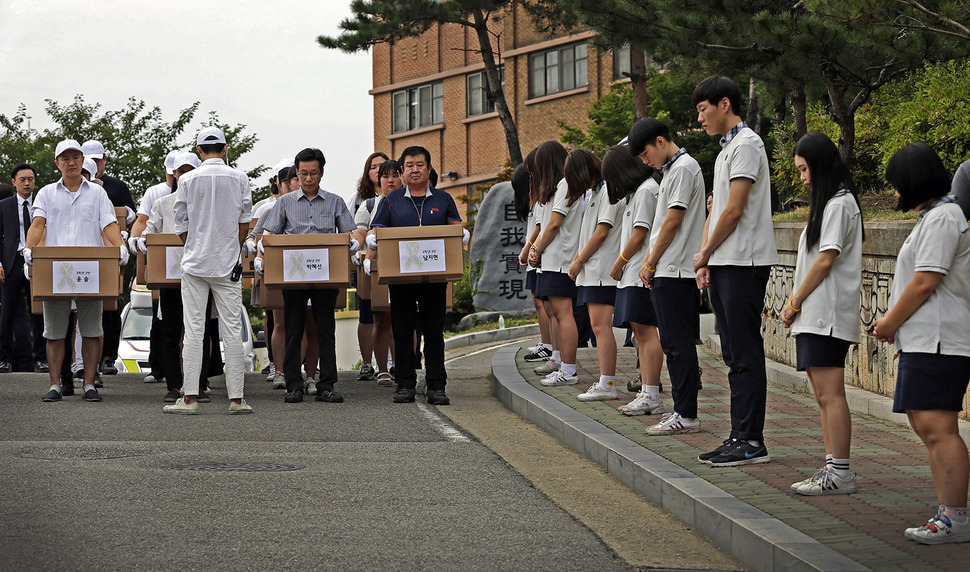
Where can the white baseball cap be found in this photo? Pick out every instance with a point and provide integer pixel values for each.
(186, 159)
(93, 149)
(90, 166)
(211, 136)
(67, 145)
(170, 160)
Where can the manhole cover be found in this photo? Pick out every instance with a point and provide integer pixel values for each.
(241, 467)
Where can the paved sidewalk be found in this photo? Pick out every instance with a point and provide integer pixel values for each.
(778, 529)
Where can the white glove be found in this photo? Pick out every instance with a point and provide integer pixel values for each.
(259, 247)
(258, 265)
(249, 247)
(124, 256)
(354, 246)
(142, 245)
(465, 236)
(124, 236)
(28, 257)
(130, 217)
(367, 266)
(27, 272)
(354, 258)
(133, 244)
(372, 241)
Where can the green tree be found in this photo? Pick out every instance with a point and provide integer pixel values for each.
(386, 21)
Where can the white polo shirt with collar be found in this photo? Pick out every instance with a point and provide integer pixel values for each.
(152, 194)
(74, 219)
(640, 211)
(596, 270)
(559, 253)
(682, 187)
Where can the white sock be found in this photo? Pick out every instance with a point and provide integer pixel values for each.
(88, 386)
(547, 346)
(390, 364)
(652, 391)
(828, 460)
(754, 442)
(56, 388)
(569, 369)
(556, 356)
(607, 382)
(840, 467)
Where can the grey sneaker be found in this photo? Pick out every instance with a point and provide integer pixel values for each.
(366, 373)
(547, 368)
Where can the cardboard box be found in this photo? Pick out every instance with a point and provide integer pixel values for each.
(141, 269)
(89, 272)
(122, 214)
(247, 261)
(164, 267)
(363, 280)
(307, 260)
(416, 254)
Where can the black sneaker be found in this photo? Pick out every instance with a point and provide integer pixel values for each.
(265, 370)
(172, 396)
(437, 397)
(52, 395)
(67, 388)
(742, 453)
(706, 457)
(97, 380)
(293, 396)
(204, 397)
(404, 395)
(541, 354)
(108, 367)
(92, 395)
(329, 396)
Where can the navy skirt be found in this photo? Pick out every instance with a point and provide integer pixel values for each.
(530, 281)
(927, 382)
(555, 284)
(633, 305)
(596, 295)
(814, 350)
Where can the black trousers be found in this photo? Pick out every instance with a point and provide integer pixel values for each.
(294, 317)
(673, 302)
(111, 323)
(738, 297)
(170, 301)
(21, 333)
(414, 305)
(268, 326)
(156, 359)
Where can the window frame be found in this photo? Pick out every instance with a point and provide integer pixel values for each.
(560, 69)
(480, 95)
(417, 106)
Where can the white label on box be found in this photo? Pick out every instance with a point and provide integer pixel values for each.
(422, 256)
(173, 262)
(306, 265)
(76, 277)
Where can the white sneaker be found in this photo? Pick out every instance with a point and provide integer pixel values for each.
(818, 474)
(180, 407)
(547, 368)
(557, 378)
(272, 372)
(828, 483)
(594, 393)
(642, 405)
(673, 423)
(310, 386)
(279, 381)
(241, 408)
(151, 379)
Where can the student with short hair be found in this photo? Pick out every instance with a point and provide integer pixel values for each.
(735, 260)
(667, 268)
(929, 323)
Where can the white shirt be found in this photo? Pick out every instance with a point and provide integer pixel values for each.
(265, 207)
(752, 243)
(74, 219)
(263, 202)
(596, 270)
(832, 309)
(558, 254)
(682, 187)
(211, 202)
(363, 217)
(162, 218)
(938, 243)
(640, 211)
(20, 216)
(152, 194)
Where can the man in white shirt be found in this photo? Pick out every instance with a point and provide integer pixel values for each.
(73, 212)
(213, 207)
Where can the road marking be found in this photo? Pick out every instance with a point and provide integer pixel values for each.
(439, 424)
(488, 349)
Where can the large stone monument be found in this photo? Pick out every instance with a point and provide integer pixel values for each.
(497, 241)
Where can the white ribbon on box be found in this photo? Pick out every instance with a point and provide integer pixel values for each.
(420, 256)
(77, 277)
(306, 265)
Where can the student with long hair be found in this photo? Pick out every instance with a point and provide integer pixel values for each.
(525, 211)
(599, 244)
(631, 182)
(552, 253)
(929, 322)
(823, 308)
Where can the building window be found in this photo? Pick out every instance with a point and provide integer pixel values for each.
(621, 62)
(556, 70)
(419, 106)
(479, 101)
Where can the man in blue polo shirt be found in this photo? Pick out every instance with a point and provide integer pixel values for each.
(417, 204)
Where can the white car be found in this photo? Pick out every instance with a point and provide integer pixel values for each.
(136, 326)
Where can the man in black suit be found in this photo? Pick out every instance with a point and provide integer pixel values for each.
(20, 349)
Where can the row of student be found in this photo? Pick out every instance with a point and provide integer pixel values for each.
(664, 249)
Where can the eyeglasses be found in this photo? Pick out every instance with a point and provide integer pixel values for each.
(309, 174)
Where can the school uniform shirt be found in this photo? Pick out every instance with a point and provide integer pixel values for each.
(832, 309)
(596, 270)
(152, 194)
(682, 187)
(210, 204)
(363, 217)
(265, 208)
(640, 211)
(752, 243)
(74, 219)
(938, 243)
(559, 253)
(295, 213)
(399, 208)
(162, 217)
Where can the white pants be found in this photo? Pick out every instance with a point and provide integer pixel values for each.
(227, 296)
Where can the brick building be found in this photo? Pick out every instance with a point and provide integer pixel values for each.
(429, 91)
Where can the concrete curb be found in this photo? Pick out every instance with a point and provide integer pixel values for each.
(757, 539)
(491, 336)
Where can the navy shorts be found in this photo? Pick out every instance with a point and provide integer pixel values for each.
(633, 305)
(927, 382)
(555, 284)
(530, 281)
(364, 313)
(814, 350)
(596, 295)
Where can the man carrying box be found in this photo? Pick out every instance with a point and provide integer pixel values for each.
(309, 210)
(417, 204)
(212, 213)
(73, 212)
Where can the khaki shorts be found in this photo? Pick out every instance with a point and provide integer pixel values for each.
(57, 314)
